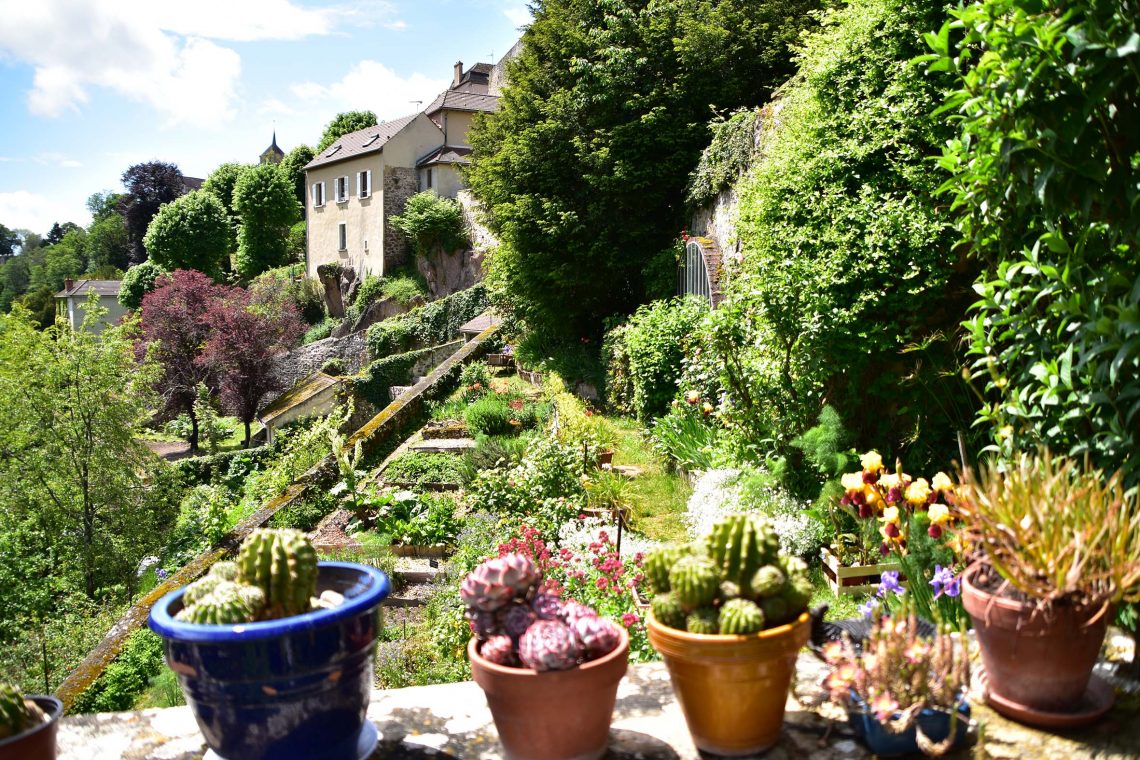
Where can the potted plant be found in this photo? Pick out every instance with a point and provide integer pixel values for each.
(550, 668)
(729, 618)
(27, 725)
(903, 693)
(1055, 546)
(274, 651)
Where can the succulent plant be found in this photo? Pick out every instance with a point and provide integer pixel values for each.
(741, 544)
(729, 590)
(549, 645)
(668, 611)
(740, 617)
(199, 589)
(483, 624)
(573, 611)
(224, 570)
(694, 581)
(499, 650)
(228, 604)
(16, 713)
(515, 618)
(706, 620)
(595, 636)
(495, 582)
(798, 594)
(775, 609)
(547, 606)
(768, 581)
(659, 562)
(283, 564)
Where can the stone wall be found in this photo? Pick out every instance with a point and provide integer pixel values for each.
(302, 362)
(399, 184)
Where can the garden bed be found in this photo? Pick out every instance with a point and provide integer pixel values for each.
(859, 579)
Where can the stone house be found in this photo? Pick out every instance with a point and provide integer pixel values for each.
(71, 302)
(453, 111)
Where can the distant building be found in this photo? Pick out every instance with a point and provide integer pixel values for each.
(71, 302)
(453, 111)
(272, 154)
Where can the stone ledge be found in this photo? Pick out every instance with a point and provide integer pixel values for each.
(452, 721)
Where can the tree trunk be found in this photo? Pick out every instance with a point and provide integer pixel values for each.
(247, 435)
(193, 431)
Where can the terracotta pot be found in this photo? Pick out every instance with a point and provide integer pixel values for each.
(38, 742)
(557, 715)
(732, 689)
(605, 457)
(1039, 661)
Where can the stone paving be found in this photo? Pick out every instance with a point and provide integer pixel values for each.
(452, 721)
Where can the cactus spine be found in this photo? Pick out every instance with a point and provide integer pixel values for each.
(283, 564)
(228, 604)
(740, 617)
(668, 611)
(705, 621)
(740, 545)
(695, 582)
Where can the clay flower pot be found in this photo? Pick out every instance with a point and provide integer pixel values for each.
(732, 689)
(556, 715)
(37, 742)
(1038, 665)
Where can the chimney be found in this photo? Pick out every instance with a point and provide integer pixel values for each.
(458, 73)
(68, 284)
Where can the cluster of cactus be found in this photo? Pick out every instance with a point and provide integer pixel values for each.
(275, 576)
(734, 582)
(520, 623)
(16, 713)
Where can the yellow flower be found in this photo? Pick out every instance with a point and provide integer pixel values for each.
(890, 480)
(890, 515)
(692, 396)
(871, 461)
(939, 514)
(918, 492)
(852, 481)
(942, 482)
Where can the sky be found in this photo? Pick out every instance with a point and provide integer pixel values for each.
(91, 87)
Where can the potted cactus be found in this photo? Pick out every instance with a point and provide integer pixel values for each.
(550, 668)
(274, 651)
(729, 618)
(27, 725)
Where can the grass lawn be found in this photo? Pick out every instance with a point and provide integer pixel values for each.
(232, 442)
(657, 497)
(839, 607)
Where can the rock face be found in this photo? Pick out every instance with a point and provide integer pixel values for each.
(302, 362)
(377, 311)
(450, 272)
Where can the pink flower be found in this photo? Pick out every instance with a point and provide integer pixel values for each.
(629, 619)
(601, 582)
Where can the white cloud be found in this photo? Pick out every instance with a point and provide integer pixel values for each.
(519, 15)
(35, 212)
(397, 26)
(48, 158)
(372, 86)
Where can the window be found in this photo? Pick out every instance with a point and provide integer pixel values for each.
(364, 183)
(427, 181)
(341, 189)
(342, 236)
(318, 194)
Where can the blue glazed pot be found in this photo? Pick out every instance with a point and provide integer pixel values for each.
(935, 724)
(294, 688)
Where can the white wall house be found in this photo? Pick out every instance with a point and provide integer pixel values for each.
(71, 302)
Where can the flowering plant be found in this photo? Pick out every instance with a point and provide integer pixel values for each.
(897, 674)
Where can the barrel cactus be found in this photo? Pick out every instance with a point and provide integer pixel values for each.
(776, 609)
(741, 544)
(283, 564)
(659, 562)
(549, 645)
(668, 611)
(740, 617)
(768, 581)
(694, 581)
(706, 620)
(16, 713)
(227, 604)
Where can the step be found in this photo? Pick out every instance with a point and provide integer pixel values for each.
(444, 445)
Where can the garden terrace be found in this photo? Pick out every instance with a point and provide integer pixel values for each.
(452, 721)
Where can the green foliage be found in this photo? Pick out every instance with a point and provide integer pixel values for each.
(191, 232)
(403, 288)
(265, 203)
(126, 677)
(137, 282)
(342, 124)
(282, 285)
(432, 324)
(421, 467)
(583, 168)
(320, 330)
(416, 520)
(849, 260)
(221, 184)
(655, 342)
(374, 382)
(1045, 177)
(545, 485)
(293, 165)
(431, 222)
(297, 242)
(687, 436)
(725, 159)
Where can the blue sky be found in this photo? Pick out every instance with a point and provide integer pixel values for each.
(90, 87)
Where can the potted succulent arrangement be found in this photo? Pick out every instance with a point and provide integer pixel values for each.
(274, 651)
(1055, 547)
(27, 725)
(904, 693)
(880, 505)
(729, 618)
(550, 667)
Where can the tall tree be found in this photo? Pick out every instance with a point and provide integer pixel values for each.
(265, 202)
(174, 330)
(294, 167)
(584, 166)
(108, 243)
(72, 470)
(243, 342)
(342, 124)
(102, 205)
(9, 242)
(221, 183)
(190, 232)
(58, 231)
(149, 185)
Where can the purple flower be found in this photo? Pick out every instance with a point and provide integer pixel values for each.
(160, 574)
(944, 582)
(869, 608)
(889, 583)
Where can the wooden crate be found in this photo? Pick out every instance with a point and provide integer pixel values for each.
(855, 580)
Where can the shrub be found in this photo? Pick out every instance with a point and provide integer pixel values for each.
(654, 343)
(545, 486)
(686, 436)
(491, 415)
(431, 222)
(277, 286)
(137, 282)
(404, 288)
(126, 677)
(320, 330)
(420, 467)
(726, 158)
(429, 325)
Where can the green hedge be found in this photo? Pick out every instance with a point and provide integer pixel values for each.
(429, 325)
(195, 471)
(373, 383)
(126, 678)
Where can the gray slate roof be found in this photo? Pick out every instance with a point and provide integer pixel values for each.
(447, 154)
(361, 142)
(454, 100)
(82, 287)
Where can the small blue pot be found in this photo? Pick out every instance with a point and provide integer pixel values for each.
(935, 724)
(290, 689)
